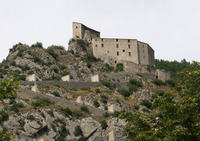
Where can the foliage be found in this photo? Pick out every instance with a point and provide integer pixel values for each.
(55, 69)
(3, 116)
(55, 93)
(108, 84)
(6, 136)
(171, 66)
(96, 103)
(160, 92)
(15, 106)
(8, 87)
(78, 131)
(119, 67)
(135, 82)
(15, 46)
(67, 112)
(97, 90)
(104, 124)
(52, 53)
(37, 45)
(158, 82)
(41, 102)
(124, 92)
(84, 108)
(30, 117)
(107, 68)
(146, 103)
(36, 59)
(174, 119)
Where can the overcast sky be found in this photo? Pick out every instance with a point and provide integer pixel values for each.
(170, 27)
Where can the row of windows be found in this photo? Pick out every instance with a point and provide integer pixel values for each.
(117, 45)
(129, 53)
(116, 40)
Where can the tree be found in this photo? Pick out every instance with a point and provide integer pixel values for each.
(7, 90)
(171, 119)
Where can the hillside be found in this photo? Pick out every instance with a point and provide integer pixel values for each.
(74, 110)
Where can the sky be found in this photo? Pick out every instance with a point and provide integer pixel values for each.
(170, 27)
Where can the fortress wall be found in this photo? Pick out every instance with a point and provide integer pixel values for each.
(115, 50)
(67, 85)
(77, 30)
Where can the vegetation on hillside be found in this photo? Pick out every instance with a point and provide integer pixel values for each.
(174, 119)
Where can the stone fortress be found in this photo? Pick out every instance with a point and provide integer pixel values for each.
(136, 56)
(113, 51)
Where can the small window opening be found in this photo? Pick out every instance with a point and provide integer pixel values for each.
(76, 26)
(117, 40)
(128, 40)
(97, 35)
(129, 46)
(118, 53)
(101, 39)
(101, 45)
(115, 62)
(117, 45)
(95, 39)
(96, 45)
(123, 50)
(129, 53)
(107, 51)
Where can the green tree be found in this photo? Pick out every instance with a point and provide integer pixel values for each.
(177, 120)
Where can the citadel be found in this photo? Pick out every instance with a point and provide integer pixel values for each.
(135, 55)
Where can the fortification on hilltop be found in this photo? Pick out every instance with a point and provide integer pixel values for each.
(113, 50)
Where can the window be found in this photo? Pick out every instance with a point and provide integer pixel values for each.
(96, 45)
(101, 39)
(115, 62)
(95, 39)
(107, 51)
(128, 40)
(97, 35)
(101, 45)
(123, 50)
(76, 26)
(129, 53)
(117, 45)
(129, 46)
(117, 53)
(117, 40)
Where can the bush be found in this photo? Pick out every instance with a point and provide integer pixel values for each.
(136, 107)
(41, 102)
(160, 92)
(97, 90)
(158, 82)
(36, 59)
(13, 63)
(96, 103)
(104, 124)
(77, 114)
(3, 116)
(108, 84)
(106, 114)
(107, 68)
(15, 106)
(171, 82)
(146, 103)
(50, 112)
(55, 69)
(55, 93)
(30, 117)
(104, 101)
(37, 44)
(84, 108)
(136, 82)
(120, 67)
(78, 131)
(67, 112)
(104, 96)
(124, 92)
(116, 114)
(52, 53)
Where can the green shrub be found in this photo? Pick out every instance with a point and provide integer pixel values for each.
(132, 88)
(86, 89)
(107, 68)
(103, 96)
(50, 112)
(160, 92)
(55, 69)
(116, 114)
(158, 82)
(3, 116)
(15, 46)
(136, 107)
(30, 117)
(108, 84)
(71, 51)
(84, 108)
(96, 103)
(13, 63)
(37, 45)
(36, 59)
(62, 66)
(65, 73)
(77, 114)
(136, 82)
(146, 103)
(67, 112)
(78, 131)
(104, 124)
(119, 67)
(52, 53)
(124, 92)
(63, 133)
(55, 93)
(106, 114)
(41, 102)
(104, 101)
(97, 90)
(171, 82)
